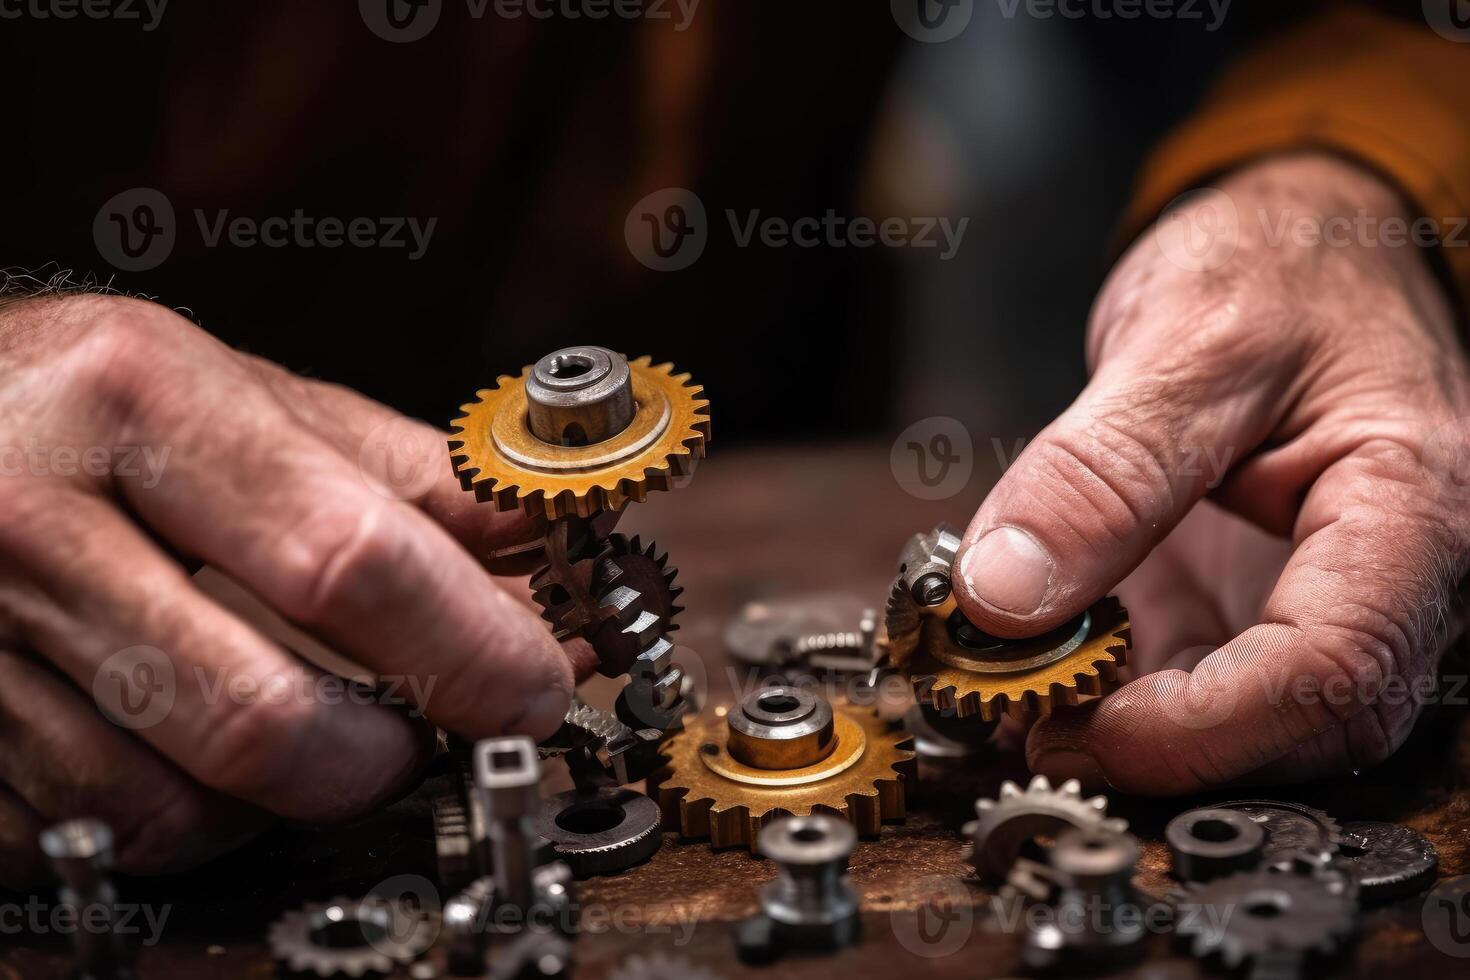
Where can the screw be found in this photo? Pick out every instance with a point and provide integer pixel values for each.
(931, 589)
(80, 852)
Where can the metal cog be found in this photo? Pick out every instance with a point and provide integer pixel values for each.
(1256, 915)
(1004, 826)
(705, 793)
(574, 596)
(495, 455)
(349, 937)
(1291, 827)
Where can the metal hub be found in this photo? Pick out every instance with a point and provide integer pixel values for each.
(579, 395)
(781, 728)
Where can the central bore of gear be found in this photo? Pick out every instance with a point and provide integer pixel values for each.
(579, 395)
(781, 728)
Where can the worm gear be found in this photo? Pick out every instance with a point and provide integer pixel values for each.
(961, 670)
(1272, 921)
(349, 937)
(532, 442)
(1006, 825)
(783, 751)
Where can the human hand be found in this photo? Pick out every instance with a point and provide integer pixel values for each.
(1313, 392)
(132, 442)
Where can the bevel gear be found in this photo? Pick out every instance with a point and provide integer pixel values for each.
(1274, 921)
(1005, 825)
(783, 751)
(529, 443)
(349, 937)
(961, 670)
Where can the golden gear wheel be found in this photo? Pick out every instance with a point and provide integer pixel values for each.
(495, 454)
(969, 683)
(705, 792)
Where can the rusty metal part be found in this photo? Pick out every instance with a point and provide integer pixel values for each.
(1017, 817)
(576, 596)
(1274, 922)
(498, 457)
(705, 792)
(579, 395)
(1098, 917)
(958, 668)
(1386, 860)
(1290, 827)
(1209, 842)
(602, 832)
(349, 937)
(810, 906)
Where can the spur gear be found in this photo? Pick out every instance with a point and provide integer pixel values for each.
(1271, 920)
(959, 669)
(562, 439)
(349, 937)
(1005, 825)
(783, 751)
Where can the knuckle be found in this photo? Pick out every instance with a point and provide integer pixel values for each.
(1103, 480)
(335, 563)
(249, 746)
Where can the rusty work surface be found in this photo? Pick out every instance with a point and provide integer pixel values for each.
(752, 526)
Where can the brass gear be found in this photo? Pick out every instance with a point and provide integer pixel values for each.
(705, 792)
(495, 454)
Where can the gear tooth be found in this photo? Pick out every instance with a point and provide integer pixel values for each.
(1039, 784)
(1009, 790)
(982, 805)
(1072, 787)
(1098, 803)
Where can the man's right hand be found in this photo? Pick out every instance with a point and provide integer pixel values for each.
(131, 444)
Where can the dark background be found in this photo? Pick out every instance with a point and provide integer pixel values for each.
(530, 141)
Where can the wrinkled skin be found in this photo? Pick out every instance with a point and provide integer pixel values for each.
(1317, 395)
(279, 482)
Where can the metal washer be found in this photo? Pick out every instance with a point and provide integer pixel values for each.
(601, 833)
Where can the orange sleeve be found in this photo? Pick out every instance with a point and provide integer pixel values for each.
(1393, 94)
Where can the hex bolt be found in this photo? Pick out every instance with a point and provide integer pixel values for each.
(508, 780)
(810, 905)
(80, 852)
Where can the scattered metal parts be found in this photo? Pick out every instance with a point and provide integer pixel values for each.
(508, 783)
(944, 736)
(600, 750)
(657, 966)
(1005, 826)
(707, 790)
(957, 667)
(1290, 826)
(1274, 922)
(810, 905)
(1098, 918)
(833, 632)
(349, 937)
(1209, 842)
(1387, 861)
(499, 457)
(80, 853)
(602, 832)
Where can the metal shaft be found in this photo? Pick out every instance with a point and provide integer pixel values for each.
(508, 777)
(80, 852)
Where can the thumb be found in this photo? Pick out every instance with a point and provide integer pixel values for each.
(1098, 489)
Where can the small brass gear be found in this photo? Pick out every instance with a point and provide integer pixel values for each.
(496, 455)
(706, 792)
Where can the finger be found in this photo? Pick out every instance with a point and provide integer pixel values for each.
(66, 761)
(403, 459)
(275, 507)
(1367, 603)
(1108, 480)
(20, 831)
(235, 712)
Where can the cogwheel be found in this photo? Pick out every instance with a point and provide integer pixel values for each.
(495, 453)
(1259, 915)
(1291, 827)
(711, 786)
(349, 937)
(582, 725)
(1004, 826)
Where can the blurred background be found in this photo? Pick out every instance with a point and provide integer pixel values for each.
(523, 145)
